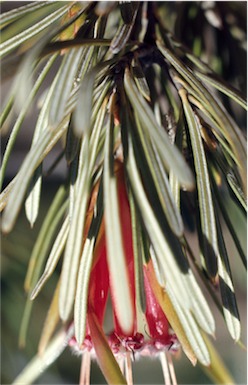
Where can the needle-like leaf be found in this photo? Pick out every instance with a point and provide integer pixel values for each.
(10, 43)
(106, 359)
(81, 298)
(171, 157)
(230, 307)
(230, 130)
(207, 215)
(40, 363)
(115, 250)
(57, 249)
(75, 236)
(162, 249)
(35, 156)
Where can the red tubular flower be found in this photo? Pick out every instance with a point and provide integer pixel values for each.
(156, 335)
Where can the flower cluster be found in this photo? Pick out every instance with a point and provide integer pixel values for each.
(151, 333)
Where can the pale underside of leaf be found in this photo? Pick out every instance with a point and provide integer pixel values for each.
(230, 130)
(46, 141)
(20, 11)
(57, 249)
(200, 307)
(167, 261)
(119, 279)
(34, 30)
(191, 329)
(81, 298)
(42, 245)
(84, 110)
(225, 89)
(40, 363)
(138, 256)
(230, 308)
(64, 84)
(33, 199)
(207, 215)
(23, 112)
(170, 155)
(161, 183)
(75, 237)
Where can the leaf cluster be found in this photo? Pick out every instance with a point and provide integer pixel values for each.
(125, 88)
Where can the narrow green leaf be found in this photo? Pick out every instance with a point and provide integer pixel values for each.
(230, 178)
(12, 23)
(174, 184)
(83, 112)
(232, 215)
(236, 189)
(53, 216)
(5, 113)
(207, 215)
(121, 38)
(33, 199)
(55, 254)
(82, 117)
(230, 308)
(169, 269)
(75, 237)
(96, 133)
(67, 75)
(214, 126)
(161, 182)
(44, 144)
(115, 252)
(106, 359)
(200, 307)
(38, 28)
(100, 96)
(141, 80)
(230, 130)
(198, 303)
(191, 330)
(227, 90)
(81, 298)
(138, 257)
(171, 157)
(23, 81)
(39, 253)
(61, 45)
(40, 363)
(122, 35)
(21, 116)
(17, 13)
